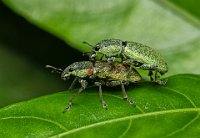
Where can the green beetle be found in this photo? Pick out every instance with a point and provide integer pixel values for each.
(101, 73)
(132, 53)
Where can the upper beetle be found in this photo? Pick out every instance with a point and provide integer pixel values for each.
(132, 53)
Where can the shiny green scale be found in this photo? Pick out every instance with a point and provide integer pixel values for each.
(133, 54)
(149, 58)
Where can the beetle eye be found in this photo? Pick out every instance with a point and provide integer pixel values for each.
(97, 48)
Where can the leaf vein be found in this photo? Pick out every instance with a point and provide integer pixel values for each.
(184, 127)
(129, 117)
(127, 129)
(193, 104)
(38, 118)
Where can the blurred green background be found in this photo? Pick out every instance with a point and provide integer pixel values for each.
(35, 33)
(24, 51)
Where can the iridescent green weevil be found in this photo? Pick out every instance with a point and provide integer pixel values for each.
(101, 73)
(132, 53)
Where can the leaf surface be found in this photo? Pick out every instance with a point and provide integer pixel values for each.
(162, 111)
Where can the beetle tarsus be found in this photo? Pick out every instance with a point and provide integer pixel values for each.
(104, 105)
(130, 101)
(67, 108)
(161, 82)
(158, 81)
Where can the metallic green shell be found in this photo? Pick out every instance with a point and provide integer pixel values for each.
(133, 52)
(146, 55)
(116, 71)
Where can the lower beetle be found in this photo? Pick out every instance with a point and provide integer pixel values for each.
(101, 73)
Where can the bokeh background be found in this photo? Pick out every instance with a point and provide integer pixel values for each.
(24, 51)
(35, 33)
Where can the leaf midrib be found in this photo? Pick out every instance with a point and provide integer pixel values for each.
(128, 118)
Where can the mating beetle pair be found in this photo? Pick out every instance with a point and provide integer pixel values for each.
(132, 53)
(112, 73)
(100, 73)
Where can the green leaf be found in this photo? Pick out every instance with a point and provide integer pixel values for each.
(162, 111)
(172, 27)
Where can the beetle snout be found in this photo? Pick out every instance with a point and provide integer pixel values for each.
(93, 55)
(65, 76)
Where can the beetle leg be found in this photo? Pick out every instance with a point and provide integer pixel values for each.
(101, 95)
(125, 96)
(100, 57)
(150, 75)
(84, 84)
(128, 61)
(157, 79)
(147, 67)
(73, 83)
(110, 59)
(135, 63)
(156, 76)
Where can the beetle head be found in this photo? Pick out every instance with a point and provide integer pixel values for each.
(81, 69)
(105, 45)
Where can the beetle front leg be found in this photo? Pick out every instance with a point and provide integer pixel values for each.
(147, 67)
(158, 81)
(104, 105)
(73, 83)
(110, 59)
(84, 84)
(150, 75)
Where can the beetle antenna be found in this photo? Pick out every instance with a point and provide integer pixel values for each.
(54, 69)
(87, 43)
(86, 53)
